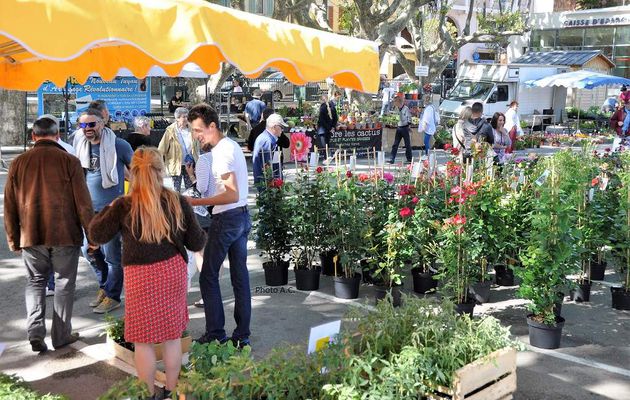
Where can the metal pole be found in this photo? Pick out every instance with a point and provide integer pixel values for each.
(66, 97)
(161, 96)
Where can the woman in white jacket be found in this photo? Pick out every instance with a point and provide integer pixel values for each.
(512, 125)
(464, 133)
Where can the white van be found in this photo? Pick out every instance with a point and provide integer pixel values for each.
(497, 85)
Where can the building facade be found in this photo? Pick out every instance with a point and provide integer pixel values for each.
(603, 29)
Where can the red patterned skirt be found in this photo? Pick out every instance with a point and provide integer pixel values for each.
(155, 301)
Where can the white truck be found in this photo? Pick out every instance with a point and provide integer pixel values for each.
(497, 85)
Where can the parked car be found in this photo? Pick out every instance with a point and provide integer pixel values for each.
(282, 89)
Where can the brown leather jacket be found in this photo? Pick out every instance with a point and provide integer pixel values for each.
(46, 199)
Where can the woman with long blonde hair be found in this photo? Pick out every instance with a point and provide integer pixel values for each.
(157, 226)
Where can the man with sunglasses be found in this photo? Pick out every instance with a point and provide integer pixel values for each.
(103, 157)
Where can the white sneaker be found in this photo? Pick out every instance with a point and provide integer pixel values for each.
(50, 292)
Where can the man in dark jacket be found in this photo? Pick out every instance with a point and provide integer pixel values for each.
(327, 121)
(484, 129)
(47, 207)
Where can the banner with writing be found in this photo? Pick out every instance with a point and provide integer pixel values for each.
(126, 97)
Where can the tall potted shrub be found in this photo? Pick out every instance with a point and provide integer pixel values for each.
(306, 220)
(273, 231)
(547, 258)
(621, 242)
(348, 222)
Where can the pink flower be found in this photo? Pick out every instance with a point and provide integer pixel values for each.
(447, 146)
(405, 212)
(594, 181)
(455, 151)
(388, 177)
(300, 145)
(607, 149)
(348, 174)
(319, 170)
(415, 200)
(364, 177)
(456, 190)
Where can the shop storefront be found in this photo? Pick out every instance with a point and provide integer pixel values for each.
(606, 29)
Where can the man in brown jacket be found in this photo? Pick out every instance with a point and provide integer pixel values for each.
(46, 208)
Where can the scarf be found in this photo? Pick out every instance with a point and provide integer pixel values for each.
(108, 156)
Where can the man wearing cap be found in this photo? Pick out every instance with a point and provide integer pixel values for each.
(254, 109)
(47, 207)
(264, 147)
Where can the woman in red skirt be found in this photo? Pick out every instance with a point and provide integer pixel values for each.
(157, 226)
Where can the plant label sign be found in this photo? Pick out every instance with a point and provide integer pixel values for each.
(417, 169)
(380, 158)
(542, 178)
(313, 159)
(591, 193)
(322, 335)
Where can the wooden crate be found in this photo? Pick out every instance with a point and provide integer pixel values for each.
(490, 378)
(127, 356)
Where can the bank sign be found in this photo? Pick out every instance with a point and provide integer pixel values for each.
(597, 21)
(126, 97)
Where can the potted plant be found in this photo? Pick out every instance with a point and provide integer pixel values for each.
(273, 231)
(306, 219)
(422, 238)
(621, 242)
(348, 223)
(547, 260)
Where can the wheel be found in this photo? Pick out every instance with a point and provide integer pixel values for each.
(277, 95)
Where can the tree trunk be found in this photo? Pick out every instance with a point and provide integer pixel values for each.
(13, 111)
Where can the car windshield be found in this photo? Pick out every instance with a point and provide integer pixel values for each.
(275, 75)
(467, 90)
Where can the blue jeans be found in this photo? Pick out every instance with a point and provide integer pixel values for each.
(107, 266)
(227, 237)
(427, 143)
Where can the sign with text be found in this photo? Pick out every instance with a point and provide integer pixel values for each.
(422, 70)
(596, 21)
(126, 97)
(359, 139)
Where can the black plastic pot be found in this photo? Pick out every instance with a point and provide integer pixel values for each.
(545, 336)
(347, 288)
(504, 275)
(481, 291)
(423, 282)
(620, 298)
(582, 292)
(307, 279)
(328, 265)
(381, 293)
(598, 271)
(276, 274)
(465, 308)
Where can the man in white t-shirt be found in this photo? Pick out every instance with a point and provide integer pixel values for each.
(228, 230)
(427, 123)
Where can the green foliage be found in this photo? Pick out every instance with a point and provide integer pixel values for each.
(495, 23)
(621, 232)
(273, 229)
(550, 252)
(129, 389)
(394, 357)
(13, 387)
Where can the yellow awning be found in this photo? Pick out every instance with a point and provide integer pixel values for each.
(53, 40)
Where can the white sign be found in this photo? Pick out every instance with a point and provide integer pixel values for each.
(321, 335)
(422, 70)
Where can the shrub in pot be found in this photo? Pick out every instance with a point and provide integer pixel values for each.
(621, 239)
(348, 223)
(273, 230)
(547, 260)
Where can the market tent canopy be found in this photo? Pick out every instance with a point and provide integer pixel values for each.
(53, 40)
(189, 70)
(581, 79)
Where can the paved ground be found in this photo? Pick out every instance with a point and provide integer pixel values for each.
(592, 363)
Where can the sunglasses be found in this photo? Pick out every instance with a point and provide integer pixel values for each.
(84, 125)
